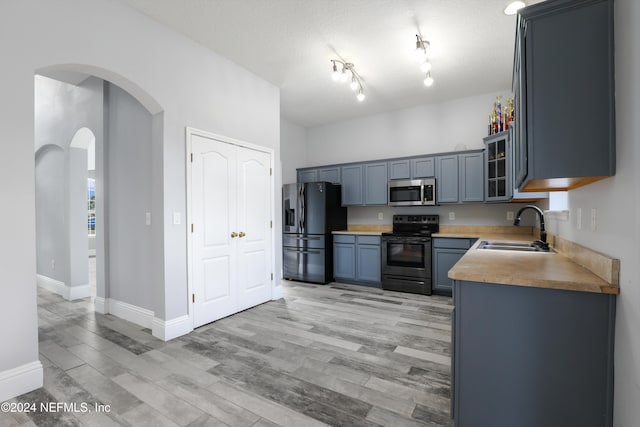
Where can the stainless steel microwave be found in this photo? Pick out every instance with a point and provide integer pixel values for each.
(412, 192)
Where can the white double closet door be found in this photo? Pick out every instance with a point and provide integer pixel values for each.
(231, 205)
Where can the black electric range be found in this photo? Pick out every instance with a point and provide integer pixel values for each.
(406, 254)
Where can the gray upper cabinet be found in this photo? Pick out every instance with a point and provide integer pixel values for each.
(307, 175)
(564, 87)
(497, 179)
(423, 167)
(330, 174)
(375, 183)
(415, 168)
(471, 177)
(399, 169)
(364, 184)
(352, 188)
(447, 176)
(499, 171)
(460, 177)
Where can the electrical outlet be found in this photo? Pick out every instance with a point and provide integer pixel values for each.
(594, 218)
(380, 216)
(509, 215)
(452, 216)
(147, 219)
(579, 218)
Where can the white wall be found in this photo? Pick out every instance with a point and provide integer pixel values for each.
(129, 188)
(293, 149)
(431, 128)
(617, 201)
(169, 74)
(465, 214)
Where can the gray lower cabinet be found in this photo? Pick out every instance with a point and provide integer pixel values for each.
(344, 257)
(531, 357)
(356, 259)
(446, 253)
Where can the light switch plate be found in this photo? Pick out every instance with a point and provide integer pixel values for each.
(176, 218)
(594, 219)
(509, 215)
(148, 218)
(452, 216)
(380, 216)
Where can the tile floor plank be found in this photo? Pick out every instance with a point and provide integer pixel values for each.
(334, 355)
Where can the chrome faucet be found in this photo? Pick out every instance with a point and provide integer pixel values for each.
(542, 243)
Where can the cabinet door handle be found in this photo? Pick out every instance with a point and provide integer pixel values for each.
(234, 235)
(241, 234)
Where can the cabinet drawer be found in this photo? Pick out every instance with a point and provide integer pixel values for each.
(368, 240)
(453, 243)
(344, 238)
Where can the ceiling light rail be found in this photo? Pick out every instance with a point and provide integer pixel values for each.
(422, 56)
(343, 76)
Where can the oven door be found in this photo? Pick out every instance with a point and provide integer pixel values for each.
(406, 256)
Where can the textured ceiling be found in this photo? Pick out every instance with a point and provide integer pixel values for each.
(290, 43)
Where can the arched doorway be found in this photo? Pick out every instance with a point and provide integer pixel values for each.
(99, 116)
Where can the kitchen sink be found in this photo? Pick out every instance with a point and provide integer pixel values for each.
(513, 246)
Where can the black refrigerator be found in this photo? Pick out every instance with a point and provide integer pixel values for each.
(311, 211)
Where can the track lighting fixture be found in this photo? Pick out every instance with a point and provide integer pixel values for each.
(343, 76)
(428, 81)
(422, 55)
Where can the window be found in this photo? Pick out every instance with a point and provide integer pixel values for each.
(91, 206)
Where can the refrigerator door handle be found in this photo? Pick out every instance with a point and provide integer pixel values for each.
(302, 209)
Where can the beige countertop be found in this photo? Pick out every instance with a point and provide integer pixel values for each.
(365, 229)
(533, 269)
(362, 233)
(562, 269)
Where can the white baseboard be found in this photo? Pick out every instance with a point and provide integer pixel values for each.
(101, 305)
(69, 293)
(138, 315)
(79, 292)
(52, 285)
(20, 380)
(170, 329)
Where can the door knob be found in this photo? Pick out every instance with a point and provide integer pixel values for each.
(242, 234)
(234, 235)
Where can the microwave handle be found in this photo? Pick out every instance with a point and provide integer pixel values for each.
(422, 194)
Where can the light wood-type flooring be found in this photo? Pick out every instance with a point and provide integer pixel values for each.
(336, 355)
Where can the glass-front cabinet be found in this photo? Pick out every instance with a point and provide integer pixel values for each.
(498, 186)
